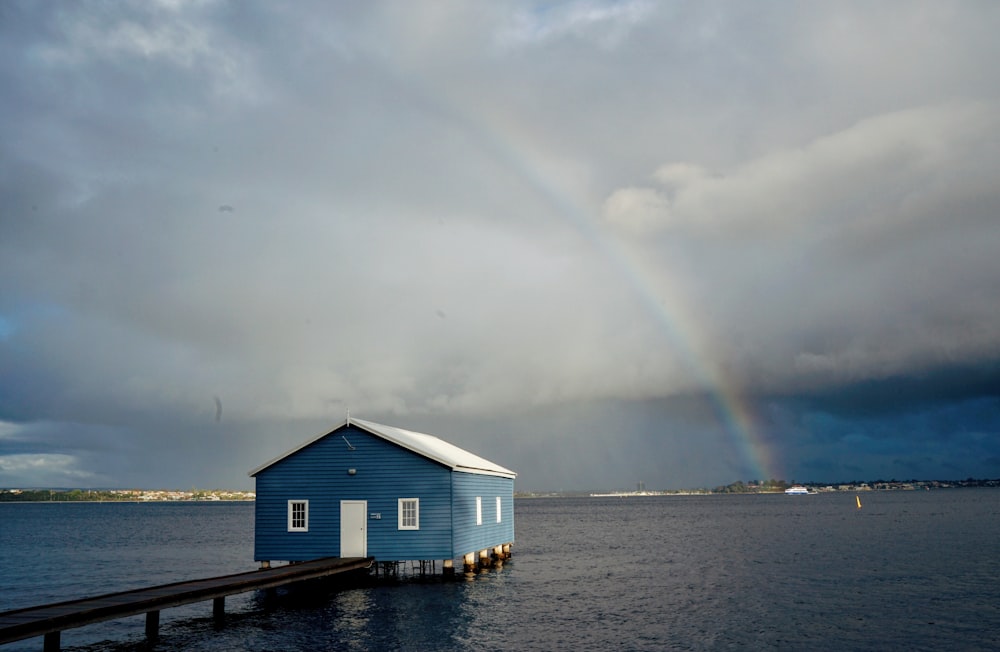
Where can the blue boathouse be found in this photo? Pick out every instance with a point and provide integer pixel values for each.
(369, 490)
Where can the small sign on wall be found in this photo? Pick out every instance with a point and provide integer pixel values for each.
(375, 516)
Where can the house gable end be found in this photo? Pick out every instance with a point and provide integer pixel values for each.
(330, 470)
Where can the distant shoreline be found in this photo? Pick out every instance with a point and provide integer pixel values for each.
(63, 495)
(124, 502)
(739, 489)
(123, 496)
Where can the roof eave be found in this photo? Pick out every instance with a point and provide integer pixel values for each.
(468, 469)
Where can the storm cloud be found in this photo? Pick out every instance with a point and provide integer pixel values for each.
(597, 242)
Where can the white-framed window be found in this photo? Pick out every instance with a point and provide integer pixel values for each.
(409, 513)
(298, 515)
(479, 510)
(498, 509)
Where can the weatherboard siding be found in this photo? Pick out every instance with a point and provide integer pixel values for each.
(384, 473)
(469, 537)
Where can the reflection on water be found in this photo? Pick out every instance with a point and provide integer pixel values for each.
(349, 616)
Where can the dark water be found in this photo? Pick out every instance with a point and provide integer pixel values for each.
(910, 571)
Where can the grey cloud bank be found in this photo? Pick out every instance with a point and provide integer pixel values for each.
(595, 242)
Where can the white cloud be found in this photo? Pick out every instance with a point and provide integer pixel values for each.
(637, 210)
(43, 469)
(607, 23)
(175, 35)
(143, 32)
(8, 430)
(882, 172)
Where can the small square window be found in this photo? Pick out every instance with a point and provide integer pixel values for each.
(498, 509)
(298, 515)
(479, 510)
(409, 513)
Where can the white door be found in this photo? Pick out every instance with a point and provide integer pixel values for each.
(353, 528)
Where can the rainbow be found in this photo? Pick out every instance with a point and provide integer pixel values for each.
(510, 143)
(687, 336)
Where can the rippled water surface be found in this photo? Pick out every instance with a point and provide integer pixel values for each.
(909, 571)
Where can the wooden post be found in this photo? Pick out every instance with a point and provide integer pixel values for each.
(470, 562)
(497, 556)
(506, 551)
(484, 558)
(219, 609)
(449, 568)
(152, 625)
(52, 642)
(264, 565)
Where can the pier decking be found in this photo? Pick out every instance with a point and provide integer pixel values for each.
(51, 619)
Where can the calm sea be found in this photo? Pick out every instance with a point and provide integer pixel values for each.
(910, 571)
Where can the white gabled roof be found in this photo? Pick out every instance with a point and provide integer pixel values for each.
(429, 446)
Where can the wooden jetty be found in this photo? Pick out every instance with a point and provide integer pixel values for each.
(51, 619)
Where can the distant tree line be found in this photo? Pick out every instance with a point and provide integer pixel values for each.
(117, 495)
(767, 486)
(753, 487)
(56, 495)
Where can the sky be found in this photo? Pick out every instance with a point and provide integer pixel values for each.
(599, 243)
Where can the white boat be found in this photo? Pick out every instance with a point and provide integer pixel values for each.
(797, 490)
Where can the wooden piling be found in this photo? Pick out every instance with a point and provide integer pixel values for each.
(448, 569)
(484, 558)
(152, 625)
(469, 565)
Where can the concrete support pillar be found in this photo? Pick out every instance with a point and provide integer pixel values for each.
(265, 565)
(152, 625)
(484, 558)
(52, 642)
(506, 551)
(498, 556)
(469, 565)
(449, 568)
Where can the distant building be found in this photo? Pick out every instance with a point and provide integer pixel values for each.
(366, 489)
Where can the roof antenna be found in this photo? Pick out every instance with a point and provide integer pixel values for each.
(349, 446)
